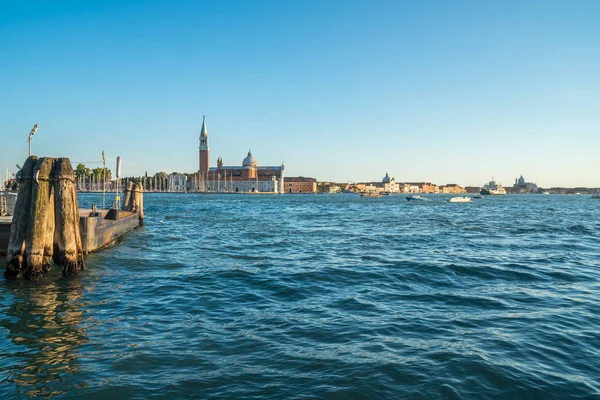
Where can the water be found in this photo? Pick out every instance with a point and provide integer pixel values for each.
(333, 296)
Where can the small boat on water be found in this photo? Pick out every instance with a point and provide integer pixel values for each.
(370, 194)
(386, 193)
(596, 196)
(8, 200)
(460, 199)
(478, 196)
(546, 193)
(416, 197)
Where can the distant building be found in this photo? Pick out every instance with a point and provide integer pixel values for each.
(472, 189)
(300, 185)
(521, 186)
(420, 187)
(247, 178)
(387, 184)
(451, 188)
(177, 183)
(328, 187)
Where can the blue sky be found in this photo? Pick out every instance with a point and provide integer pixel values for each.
(442, 91)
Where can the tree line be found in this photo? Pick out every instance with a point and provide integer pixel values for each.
(81, 171)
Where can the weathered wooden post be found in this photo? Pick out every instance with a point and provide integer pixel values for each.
(127, 197)
(68, 250)
(20, 222)
(40, 235)
(133, 201)
(140, 205)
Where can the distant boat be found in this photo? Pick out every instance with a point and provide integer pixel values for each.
(10, 200)
(478, 196)
(370, 194)
(463, 199)
(416, 197)
(386, 193)
(596, 196)
(492, 188)
(545, 193)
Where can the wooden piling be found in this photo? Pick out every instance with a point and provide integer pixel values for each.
(50, 224)
(20, 222)
(127, 197)
(140, 204)
(42, 212)
(133, 202)
(68, 251)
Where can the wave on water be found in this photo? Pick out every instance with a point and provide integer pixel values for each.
(319, 297)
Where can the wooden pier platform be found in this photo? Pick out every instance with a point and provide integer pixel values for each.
(96, 231)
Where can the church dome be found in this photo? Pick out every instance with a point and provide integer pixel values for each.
(386, 178)
(249, 161)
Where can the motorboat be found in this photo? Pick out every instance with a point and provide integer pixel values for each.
(416, 197)
(478, 196)
(460, 199)
(546, 193)
(370, 194)
(596, 196)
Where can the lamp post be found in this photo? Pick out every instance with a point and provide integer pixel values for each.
(118, 198)
(103, 179)
(33, 131)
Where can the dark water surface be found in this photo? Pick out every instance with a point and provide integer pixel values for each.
(333, 296)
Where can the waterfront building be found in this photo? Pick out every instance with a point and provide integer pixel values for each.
(177, 182)
(521, 186)
(247, 178)
(387, 184)
(300, 185)
(472, 189)
(451, 188)
(328, 187)
(420, 187)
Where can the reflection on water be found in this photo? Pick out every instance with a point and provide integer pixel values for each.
(43, 323)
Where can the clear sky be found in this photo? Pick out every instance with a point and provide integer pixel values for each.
(443, 91)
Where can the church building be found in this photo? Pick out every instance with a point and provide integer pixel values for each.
(247, 178)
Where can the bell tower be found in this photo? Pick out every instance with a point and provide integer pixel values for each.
(204, 151)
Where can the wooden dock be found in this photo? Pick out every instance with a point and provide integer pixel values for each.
(96, 231)
(47, 226)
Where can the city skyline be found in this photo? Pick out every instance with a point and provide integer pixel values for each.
(447, 92)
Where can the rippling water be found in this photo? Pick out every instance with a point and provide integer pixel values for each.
(333, 296)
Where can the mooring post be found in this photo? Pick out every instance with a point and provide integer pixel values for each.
(39, 243)
(68, 251)
(133, 201)
(20, 221)
(127, 197)
(140, 204)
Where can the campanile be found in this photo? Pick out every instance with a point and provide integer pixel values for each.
(203, 157)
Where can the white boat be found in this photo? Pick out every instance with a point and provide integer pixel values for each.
(545, 193)
(463, 199)
(7, 202)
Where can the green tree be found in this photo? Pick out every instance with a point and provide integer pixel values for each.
(97, 173)
(82, 171)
